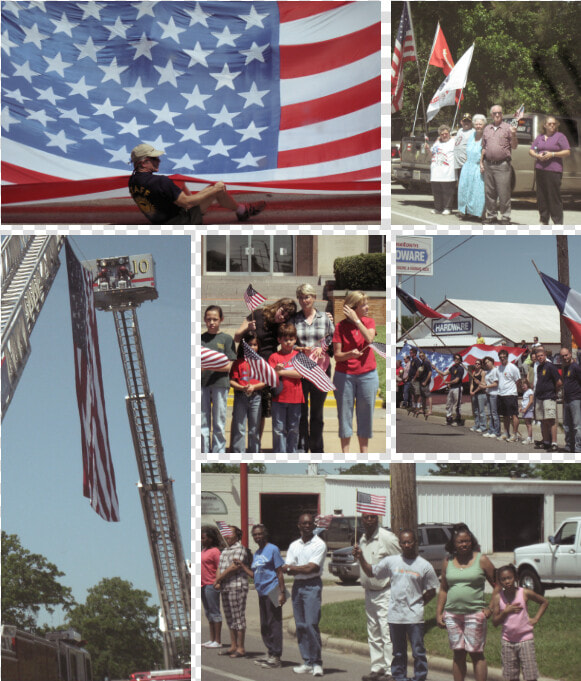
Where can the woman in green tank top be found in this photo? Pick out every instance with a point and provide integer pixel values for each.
(461, 608)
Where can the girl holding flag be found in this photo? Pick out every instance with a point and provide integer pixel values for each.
(313, 328)
(355, 378)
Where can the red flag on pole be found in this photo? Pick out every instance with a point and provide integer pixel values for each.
(98, 473)
(441, 56)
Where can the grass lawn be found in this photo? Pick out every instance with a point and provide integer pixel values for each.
(556, 635)
(381, 364)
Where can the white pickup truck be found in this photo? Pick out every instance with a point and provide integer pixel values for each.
(555, 563)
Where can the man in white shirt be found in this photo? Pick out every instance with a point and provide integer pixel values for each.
(508, 375)
(304, 560)
(376, 543)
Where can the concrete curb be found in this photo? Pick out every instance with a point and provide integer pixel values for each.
(440, 664)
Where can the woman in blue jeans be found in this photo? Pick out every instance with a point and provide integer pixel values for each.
(478, 397)
(490, 382)
(355, 378)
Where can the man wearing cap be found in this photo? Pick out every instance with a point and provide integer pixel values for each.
(163, 202)
(460, 144)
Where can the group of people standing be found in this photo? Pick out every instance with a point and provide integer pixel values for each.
(277, 332)
(398, 584)
(494, 394)
(477, 162)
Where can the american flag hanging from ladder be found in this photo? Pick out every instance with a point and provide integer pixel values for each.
(252, 298)
(98, 473)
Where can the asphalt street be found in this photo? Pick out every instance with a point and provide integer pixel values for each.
(415, 434)
(410, 208)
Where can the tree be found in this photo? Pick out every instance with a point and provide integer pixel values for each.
(29, 582)
(256, 468)
(559, 471)
(120, 629)
(365, 469)
(487, 470)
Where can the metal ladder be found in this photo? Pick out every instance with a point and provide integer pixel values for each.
(29, 266)
(156, 493)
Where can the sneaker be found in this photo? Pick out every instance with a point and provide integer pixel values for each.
(317, 670)
(539, 444)
(260, 660)
(474, 429)
(513, 438)
(454, 424)
(271, 663)
(446, 212)
(435, 212)
(207, 644)
(501, 437)
(504, 436)
(252, 209)
(213, 644)
(554, 447)
(374, 676)
(303, 669)
(527, 441)
(505, 221)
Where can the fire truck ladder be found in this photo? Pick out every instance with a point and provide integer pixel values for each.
(156, 493)
(29, 266)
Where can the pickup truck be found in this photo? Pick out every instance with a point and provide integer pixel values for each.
(413, 171)
(555, 563)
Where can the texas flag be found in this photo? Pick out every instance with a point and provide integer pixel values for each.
(416, 305)
(569, 303)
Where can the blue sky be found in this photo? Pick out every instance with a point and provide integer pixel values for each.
(42, 499)
(496, 268)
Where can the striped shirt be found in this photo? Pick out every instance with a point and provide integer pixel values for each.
(309, 335)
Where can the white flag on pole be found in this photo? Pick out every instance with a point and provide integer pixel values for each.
(455, 80)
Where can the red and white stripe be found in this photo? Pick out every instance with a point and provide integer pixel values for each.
(213, 360)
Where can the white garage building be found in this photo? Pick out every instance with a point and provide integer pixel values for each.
(503, 513)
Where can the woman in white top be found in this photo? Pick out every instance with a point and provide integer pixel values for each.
(442, 175)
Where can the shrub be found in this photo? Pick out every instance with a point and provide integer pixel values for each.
(366, 272)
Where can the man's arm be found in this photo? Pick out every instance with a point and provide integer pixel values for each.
(189, 201)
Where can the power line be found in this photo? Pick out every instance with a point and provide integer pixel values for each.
(411, 276)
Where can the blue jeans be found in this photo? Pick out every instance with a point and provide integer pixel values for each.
(246, 408)
(306, 599)
(494, 427)
(211, 603)
(286, 418)
(572, 425)
(479, 409)
(399, 634)
(407, 387)
(359, 390)
(214, 402)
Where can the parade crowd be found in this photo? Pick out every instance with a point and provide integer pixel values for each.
(477, 163)
(397, 583)
(494, 394)
(277, 332)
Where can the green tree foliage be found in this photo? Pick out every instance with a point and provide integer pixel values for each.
(29, 582)
(120, 629)
(524, 53)
(257, 468)
(365, 469)
(559, 471)
(502, 470)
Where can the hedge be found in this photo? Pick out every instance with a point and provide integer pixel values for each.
(366, 272)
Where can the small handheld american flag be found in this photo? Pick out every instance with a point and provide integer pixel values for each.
(310, 370)
(259, 368)
(326, 342)
(379, 348)
(213, 360)
(252, 298)
(370, 503)
(225, 529)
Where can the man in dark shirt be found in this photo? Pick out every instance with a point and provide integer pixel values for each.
(414, 365)
(498, 141)
(548, 382)
(454, 400)
(163, 202)
(571, 401)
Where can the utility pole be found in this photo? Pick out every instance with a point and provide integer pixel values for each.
(563, 277)
(404, 500)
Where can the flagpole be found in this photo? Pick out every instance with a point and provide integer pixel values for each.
(421, 95)
(356, 497)
(457, 107)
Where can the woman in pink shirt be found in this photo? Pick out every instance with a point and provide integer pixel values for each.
(210, 596)
(355, 378)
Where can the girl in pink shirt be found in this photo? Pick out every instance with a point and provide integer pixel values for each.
(509, 608)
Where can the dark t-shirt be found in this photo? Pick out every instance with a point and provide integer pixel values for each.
(267, 334)
(155, 196)
(456, 371)
(547, 377)
(572, 382)
(414, 366)
(423, 371)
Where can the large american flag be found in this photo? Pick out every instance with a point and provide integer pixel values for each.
(260, 369)
(252, 298)
(370, 503)
(310, 370)
(98, 473)
(404, 50)
(276, 95)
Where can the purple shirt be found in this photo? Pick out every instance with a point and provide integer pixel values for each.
(556, 142)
